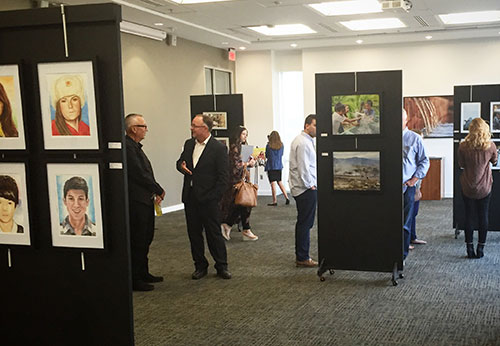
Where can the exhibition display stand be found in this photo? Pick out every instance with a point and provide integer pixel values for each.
(59, 288)
(466, 100)
(359, 172)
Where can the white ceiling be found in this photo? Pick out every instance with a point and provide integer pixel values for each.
(223, 24)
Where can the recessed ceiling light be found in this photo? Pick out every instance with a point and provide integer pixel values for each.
(373, 24)
(187, 2)
(359, 41)
(224, 43)
(470, 17)
(342, 8)
(243, 48)
(159, 24)
(283, 30)
(293, 45)
(428, 37)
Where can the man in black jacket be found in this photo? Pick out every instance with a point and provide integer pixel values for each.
(204, 164)
(143, 192)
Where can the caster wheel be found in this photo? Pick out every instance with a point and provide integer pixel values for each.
(332, 271)
(394, 283)
(322, 278)
(401, 276)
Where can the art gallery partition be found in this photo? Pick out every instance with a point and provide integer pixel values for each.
(66, 289)
(360, 205)
(229, 106)
(485, 99)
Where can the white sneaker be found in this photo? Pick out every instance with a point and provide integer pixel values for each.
(248, 235)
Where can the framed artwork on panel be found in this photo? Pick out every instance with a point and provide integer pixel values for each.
(356, 171)
(219, 119)
(430, 115)
(468, 111)
(14, 213)
(75, 205)
(223, 140)
(495, 117)
(497, 143)
(11, 109)
(68, 103)
(357, 114)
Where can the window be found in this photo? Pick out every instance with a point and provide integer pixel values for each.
(217, 81)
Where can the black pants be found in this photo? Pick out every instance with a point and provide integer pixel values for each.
(205, 216)
(480, 206)
(240, 213)
(142, 227)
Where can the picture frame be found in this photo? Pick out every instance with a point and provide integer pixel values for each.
(362, 114)
(75, 205)
(430, 115)
(223, 140)
(14, 216)
(219, 119)
(356, 171)
(495, 117)
(68, 105)
(12, 137)
(468, 111)
(497, 143)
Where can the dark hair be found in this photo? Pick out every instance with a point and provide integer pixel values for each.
(309, 119)
(76, 183)
(59, 119)
(8, 127)
(9, 189)
(339, 107)
(369, 102)
(206, 120)
(237, 136)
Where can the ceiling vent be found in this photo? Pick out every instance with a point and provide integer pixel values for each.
(327, 27)
(399, 5)
(155, 3)
(421, 21)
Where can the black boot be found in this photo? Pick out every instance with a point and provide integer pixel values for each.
(470, 251)
(480, 250)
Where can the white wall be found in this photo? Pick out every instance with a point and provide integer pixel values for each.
(429, 68)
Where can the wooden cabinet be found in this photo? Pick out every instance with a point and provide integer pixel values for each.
(432, 185)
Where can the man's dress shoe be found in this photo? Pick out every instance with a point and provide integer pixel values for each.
(224, 273)
(198, 274)
(150, 278)
(142, 286)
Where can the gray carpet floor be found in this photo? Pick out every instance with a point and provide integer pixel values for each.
(445, 298)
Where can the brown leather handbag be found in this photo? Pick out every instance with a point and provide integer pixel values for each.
(246, 194)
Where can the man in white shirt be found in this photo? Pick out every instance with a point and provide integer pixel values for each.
(339, 118)
(302, 180)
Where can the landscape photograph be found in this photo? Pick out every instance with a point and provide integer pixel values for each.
(356, 170)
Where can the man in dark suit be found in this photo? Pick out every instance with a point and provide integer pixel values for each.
(204, 164)
(143, 192)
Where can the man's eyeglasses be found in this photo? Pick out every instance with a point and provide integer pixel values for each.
(198, 125)
(145, 126)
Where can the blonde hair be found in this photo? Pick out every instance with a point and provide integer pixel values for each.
(275, 140)
(479, 135)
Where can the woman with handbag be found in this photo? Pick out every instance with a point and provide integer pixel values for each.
(475, 154)
(230, 211)
(274, 165)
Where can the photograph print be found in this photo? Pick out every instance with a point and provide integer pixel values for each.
(495, 117)
(432, 116)
(14, 213)
(468, 111)
(67, 97)
(11, 109)
(223, 140)
(219, 119)
(75, 205)
(356, 171)
(497, 143)
(356, 114)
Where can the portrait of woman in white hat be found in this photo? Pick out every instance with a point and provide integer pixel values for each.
(68, 100)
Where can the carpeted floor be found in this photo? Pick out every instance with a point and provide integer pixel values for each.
(445, 298)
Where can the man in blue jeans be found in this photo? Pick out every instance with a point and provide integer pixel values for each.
(302, 181)
(415, 166)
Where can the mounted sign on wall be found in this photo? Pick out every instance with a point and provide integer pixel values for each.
(231, 55)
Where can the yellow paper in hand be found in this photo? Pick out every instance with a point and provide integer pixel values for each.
(158, 210)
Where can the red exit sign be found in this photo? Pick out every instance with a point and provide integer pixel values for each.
(231, 55)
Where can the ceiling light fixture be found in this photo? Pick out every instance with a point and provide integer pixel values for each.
(428, 37)
(293, 45)
(189, 2)
(470, 17)
(243, 48)
(359, 41)
(342, 8)
(283, 30)
(225, 43)
(159, 24)
(373, 24)
(143, 31)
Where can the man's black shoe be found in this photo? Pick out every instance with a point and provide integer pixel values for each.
(142, 286)
(152, 279)
(198, 274)
(224, 273)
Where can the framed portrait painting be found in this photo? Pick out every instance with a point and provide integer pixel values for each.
(495, 117)
(223, 140)
(11, 109)
(219, 119)
(75, 205)
(468, 112)
(356, 171)
(14, 213)
(356, 114)
(67, 98)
